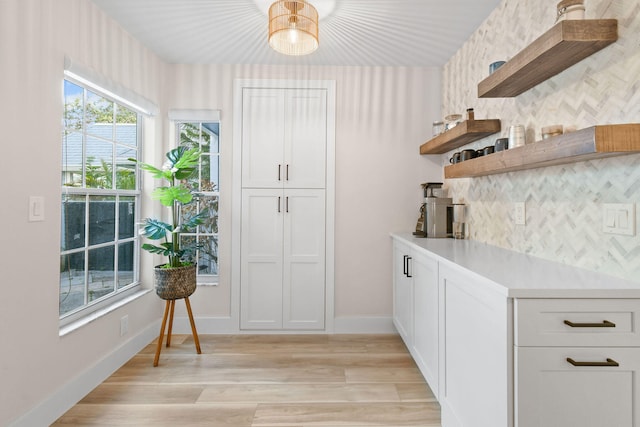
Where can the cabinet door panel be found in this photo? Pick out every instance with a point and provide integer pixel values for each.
(304, 259)
(403, 292)
(305, 138)
(425, 324)
(263, 124)
(474, 352)
(261, 259)
(554, 393)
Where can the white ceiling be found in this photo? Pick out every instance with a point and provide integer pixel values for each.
(353, 32)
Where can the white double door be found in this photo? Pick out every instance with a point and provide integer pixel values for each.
(283, 228)
(283, 259)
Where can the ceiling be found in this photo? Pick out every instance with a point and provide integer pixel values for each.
(352, 32)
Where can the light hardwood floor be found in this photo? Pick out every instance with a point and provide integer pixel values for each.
(264, 380)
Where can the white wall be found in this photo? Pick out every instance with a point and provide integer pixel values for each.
(383, 115)
(564, 203)
(35, 35)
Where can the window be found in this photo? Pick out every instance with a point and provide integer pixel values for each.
(100, 197)
(204, 135)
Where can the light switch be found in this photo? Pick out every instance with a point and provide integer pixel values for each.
(619, 218)
(36, 208)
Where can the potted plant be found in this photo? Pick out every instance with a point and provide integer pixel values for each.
(177, 277)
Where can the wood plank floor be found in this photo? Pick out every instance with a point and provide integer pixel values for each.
(264, 380)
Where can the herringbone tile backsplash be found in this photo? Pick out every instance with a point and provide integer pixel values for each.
(563, 203)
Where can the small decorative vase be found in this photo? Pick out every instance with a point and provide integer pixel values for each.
(175, 283)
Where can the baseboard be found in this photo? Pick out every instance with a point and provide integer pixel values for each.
(364, 325)
(342, 325)
(49, 410)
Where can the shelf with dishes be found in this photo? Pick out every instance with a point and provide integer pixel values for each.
(565, 44)
(463, 133)
(586, 144)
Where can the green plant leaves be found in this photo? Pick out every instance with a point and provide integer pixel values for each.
(155, 229)
(168, 195)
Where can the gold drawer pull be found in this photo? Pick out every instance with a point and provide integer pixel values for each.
(604, 324)
(609, 362)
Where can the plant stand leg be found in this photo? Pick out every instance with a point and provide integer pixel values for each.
(193, 325)
(173, 306)
(161, 337)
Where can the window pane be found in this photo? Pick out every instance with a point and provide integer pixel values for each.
(211, 130)
(73, 226)
(211, 223)
(189, 134)
(208, 255)
(125, 169)
(126, 126)
(99, 164)
(72, 159)
(71, 282)
(101, 273)
(73, 106)
(127, 213)
(102, 220)
(126, 259)
(99, 116)
(210, 172)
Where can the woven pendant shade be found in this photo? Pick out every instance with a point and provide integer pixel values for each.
(293, 27)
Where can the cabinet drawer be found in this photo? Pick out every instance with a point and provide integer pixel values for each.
(577, 322)
(603, 390)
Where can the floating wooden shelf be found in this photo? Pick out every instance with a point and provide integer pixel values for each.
(591, 143)
(565, 44)
(461, 134)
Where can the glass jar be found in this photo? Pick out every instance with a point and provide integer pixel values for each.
(438, 128)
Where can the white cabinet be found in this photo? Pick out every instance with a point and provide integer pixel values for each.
(554, 393)
(403, 292)
(425, 318)
(284, 218)
(475, 352)
(415, 308)
(577, 362)
(283, 259)
(284, 138)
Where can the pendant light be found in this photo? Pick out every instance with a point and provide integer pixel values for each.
(293, 27)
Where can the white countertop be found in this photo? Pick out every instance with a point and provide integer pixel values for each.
(519, 275)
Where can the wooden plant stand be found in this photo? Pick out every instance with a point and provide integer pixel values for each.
(168, 312)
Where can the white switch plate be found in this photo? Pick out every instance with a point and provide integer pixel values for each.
(36, 208)
(520, 213)
(619, 218)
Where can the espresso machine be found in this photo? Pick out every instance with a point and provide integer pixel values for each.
(436, 214)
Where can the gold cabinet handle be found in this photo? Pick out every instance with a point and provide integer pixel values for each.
(609, 362)
(604, 324)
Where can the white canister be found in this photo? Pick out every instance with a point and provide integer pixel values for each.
(516, 136)
(570, 9)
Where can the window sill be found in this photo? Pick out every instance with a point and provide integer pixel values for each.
(89, 318)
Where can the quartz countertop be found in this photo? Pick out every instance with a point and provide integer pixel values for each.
(519, 275)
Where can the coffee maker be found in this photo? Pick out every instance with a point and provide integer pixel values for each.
(436, 214)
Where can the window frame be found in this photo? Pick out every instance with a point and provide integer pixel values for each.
(89, 307)
(200, 117)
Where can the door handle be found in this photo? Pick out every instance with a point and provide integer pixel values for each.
(604, 324)
(609, 362)
(404, 265)
(287, 173)
(286, 202)
(408, 273)
(279, 172)
(278, 204)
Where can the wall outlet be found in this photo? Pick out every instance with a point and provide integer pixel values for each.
(124, 325)
(520, 213)
(619, 218)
